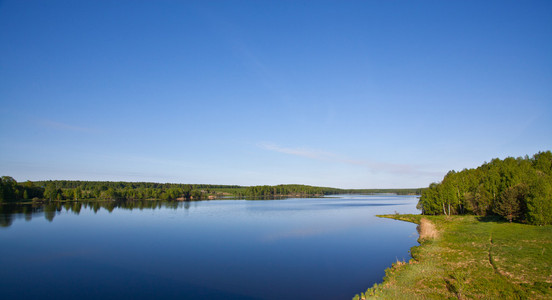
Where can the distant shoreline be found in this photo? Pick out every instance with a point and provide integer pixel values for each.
(55, 190)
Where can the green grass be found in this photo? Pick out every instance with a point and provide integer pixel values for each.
(473, 258)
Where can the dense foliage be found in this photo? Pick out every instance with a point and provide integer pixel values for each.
(519, 189)
(417, 191)
(107, 190)
(12, 191)
(307, 190)
(287, 190)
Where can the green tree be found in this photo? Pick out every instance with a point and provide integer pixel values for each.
(542, 161)
(519, 189)
(50, 192)
(77, 193)
(539, 201)
(512, 203)
(195, 195)
(8, 187)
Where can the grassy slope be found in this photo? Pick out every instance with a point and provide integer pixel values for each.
(473, 258)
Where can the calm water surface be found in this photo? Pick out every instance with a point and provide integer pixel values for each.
(317, 248)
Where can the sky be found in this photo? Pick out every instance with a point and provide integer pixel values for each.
(347, 94)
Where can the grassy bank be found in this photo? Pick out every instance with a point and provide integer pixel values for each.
(464, 257)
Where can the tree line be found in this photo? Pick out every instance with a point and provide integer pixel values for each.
(307, 190)
(12, 191)
(414, 191)
(286, 190)
(62, 190)
(518, 189)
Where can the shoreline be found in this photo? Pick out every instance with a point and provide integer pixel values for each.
(466, 257)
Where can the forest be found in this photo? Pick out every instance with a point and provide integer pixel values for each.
(12, 191)
(518, 189)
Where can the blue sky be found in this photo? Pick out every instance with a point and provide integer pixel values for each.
(350, 94)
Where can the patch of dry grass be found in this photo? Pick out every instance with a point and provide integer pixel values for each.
(427, 230)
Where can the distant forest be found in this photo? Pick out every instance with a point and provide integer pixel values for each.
(70, 190)
(518, 189)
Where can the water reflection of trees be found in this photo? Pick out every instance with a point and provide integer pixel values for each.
(10, 212)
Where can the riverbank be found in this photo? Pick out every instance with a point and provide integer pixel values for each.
(465, 257)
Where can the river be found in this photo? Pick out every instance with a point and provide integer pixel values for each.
(298, 248)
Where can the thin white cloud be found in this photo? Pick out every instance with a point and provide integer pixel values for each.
(303, 152)
(403, 169)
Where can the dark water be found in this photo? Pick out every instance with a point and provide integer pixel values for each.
(317, 248)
